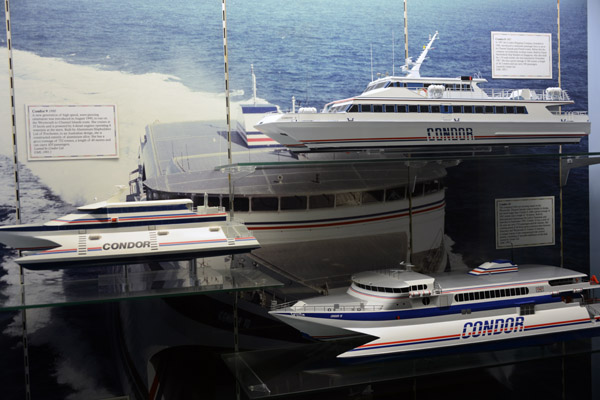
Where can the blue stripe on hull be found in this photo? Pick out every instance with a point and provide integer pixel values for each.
(433, 311)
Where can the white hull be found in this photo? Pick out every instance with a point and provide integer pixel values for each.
(113, 246)
(318, 133)
(110, 232)
(429, 333)
(402, 310)
(353, 221)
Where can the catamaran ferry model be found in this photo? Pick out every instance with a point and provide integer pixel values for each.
(109, 232)
(406, 311)
(418, 112)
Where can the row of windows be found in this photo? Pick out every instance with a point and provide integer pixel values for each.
(430, 108)
(491, 294)
(382, 289)
(285, 203)
(405, 289)
(416, 85)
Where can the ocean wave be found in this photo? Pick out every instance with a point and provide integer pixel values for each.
(140, 99)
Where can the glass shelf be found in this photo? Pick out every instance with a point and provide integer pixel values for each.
(126, 282)
(393, 156)
(314, 367)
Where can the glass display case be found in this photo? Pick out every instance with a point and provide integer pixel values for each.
(343, 153)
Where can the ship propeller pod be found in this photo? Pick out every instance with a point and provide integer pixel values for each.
(594, 280)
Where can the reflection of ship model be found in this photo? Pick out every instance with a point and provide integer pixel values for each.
(108, 233)
(419, 112)
(406, 310)
(356, 203)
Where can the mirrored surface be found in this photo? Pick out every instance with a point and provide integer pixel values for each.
(101, 284)
(315, 368)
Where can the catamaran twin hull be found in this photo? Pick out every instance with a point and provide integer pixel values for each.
(128, 247)
(305, 135)
(408, 311)
(109, 233)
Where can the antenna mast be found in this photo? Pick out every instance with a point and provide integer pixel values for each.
(405, 35)
(371, 62)
(253, 83)
(393, 54)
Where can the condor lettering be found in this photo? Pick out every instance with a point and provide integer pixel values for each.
(125, 245)
(447, 134)
(492, 327)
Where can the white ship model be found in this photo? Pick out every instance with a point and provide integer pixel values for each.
(405, 311)
(419, 112)
(111, 232)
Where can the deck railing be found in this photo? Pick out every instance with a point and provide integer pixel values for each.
(324, 308)
(550, 94)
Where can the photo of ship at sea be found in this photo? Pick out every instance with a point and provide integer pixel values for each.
(162, 65)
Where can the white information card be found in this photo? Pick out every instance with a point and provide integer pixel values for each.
(521, 55)
(59, 132)
(525, 222)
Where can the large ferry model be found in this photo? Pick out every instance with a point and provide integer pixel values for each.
(111, 232)
(420, 112)
(373, 203)
(406, 311)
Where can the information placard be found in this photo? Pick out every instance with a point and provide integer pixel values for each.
(58, 132)
(525, 222)
(521, 55)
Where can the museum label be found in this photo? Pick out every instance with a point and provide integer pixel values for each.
(59, 132)
(525, 222)
(521, 55)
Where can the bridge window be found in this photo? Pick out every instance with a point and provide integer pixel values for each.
(397, 193)
(372, 196)
(377, 108)
(510, 110)
(401, 108)
(294, 203)
(478, 109)
(241, 203)
(489, 109)
(322, 201)
(366, 108)
(265, 204)
(435, 109)
(214, 201)
(521, 110)
(389, 108)
(347, 199)
(468, 109)
(424, 108)
(413, 108)
(353, 108)
(456, 109)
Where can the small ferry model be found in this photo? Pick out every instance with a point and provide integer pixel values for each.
(418, 112)
(111, 232)
(405, 310)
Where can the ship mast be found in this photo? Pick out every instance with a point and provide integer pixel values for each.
(227, 106)
(406, 60)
